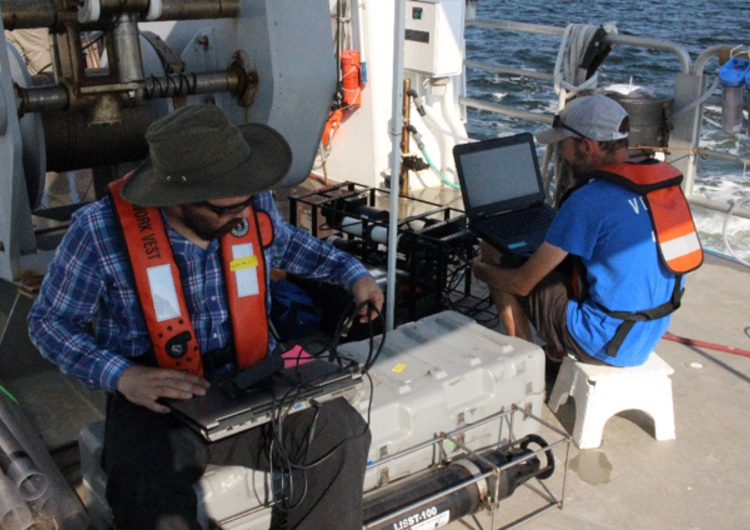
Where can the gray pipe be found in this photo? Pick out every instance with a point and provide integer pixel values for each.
(60, 507)
(55, 97)
(14, 513)
(628, 40)
(22, 14)
(127, 49)
(16, 464)
(58, 504)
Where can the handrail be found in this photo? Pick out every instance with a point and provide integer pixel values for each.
(629, 40)
(516, 26)
(654, 44)
(703, 58)
(510, 71)
(509, 111)
(719, 206)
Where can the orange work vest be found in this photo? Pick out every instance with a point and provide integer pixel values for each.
(676, 238)
(659, 184)
(160, 292)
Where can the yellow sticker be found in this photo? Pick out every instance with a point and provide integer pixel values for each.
(399, 368)
(243, 263)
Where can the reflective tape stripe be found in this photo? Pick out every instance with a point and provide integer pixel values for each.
(680, 246)
(163, 292)
(243, 263)
(247, 278)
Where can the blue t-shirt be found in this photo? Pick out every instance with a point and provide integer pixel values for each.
(609, 228)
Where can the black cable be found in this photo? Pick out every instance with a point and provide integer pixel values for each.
(287, 479)
(371, 360)
(290, 398)
(282, 406)
(338, 446)
(345, 323)
(346, 320)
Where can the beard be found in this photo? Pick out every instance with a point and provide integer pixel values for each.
(194, 217)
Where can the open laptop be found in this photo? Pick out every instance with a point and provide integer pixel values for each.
(503, 193)
(224, 411)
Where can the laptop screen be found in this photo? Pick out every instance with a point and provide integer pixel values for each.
(499, 174)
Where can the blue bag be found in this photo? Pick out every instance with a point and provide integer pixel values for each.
(293, 312)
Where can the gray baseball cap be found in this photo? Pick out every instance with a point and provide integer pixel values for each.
(595, 117)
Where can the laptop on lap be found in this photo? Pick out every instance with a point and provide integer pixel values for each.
(503, 193)
(225, 411)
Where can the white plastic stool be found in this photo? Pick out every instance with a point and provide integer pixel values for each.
(600, 392)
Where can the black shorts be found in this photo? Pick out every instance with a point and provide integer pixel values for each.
(547, 309)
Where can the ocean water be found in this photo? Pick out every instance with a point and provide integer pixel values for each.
(693, 24)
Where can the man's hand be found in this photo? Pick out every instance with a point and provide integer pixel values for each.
(489, 254)
(366, 289)
(143, 385)
(518, 281)
(482, 270)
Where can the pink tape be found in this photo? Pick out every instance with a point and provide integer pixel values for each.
(295, 357)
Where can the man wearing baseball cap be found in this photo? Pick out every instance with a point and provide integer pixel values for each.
(618, 310)
(171, 273)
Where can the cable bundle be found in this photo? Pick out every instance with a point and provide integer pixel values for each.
(284, 466)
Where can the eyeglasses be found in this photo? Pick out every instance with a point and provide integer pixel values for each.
(232, 209)
(558, 123)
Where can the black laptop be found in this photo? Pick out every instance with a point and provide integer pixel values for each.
(503, 193)
(225, 411)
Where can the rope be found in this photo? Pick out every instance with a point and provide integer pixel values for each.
(702, 344)
(353, 71)
(569, 80)
(569, 77)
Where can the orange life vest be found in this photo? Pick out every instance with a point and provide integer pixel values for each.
(676, 238)
(160, 292)
(659, 184)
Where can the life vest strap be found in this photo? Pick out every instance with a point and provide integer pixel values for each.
(654, 313)
(158, 284)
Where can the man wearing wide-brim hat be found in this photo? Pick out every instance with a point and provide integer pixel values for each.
(177, 262)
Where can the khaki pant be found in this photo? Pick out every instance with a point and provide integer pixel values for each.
(33, 45)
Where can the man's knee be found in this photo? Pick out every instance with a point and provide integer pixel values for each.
(341, 411)
(344, 423)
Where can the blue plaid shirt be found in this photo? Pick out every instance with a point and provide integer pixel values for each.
(90, 281)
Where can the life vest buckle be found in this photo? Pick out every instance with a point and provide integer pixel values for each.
(177, 346)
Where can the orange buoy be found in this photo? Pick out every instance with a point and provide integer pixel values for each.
(351, 78)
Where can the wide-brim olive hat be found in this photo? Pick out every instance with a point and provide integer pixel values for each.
(196, 155)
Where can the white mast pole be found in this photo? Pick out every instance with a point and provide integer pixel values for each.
(399, 27)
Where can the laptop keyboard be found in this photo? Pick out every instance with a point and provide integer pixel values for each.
(520, 222)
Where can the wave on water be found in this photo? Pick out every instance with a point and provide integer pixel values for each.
(696, 26)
